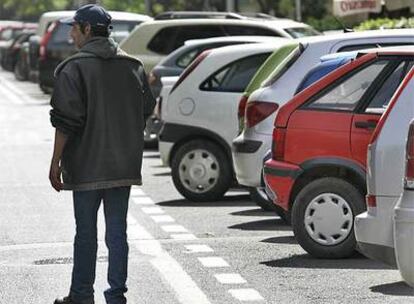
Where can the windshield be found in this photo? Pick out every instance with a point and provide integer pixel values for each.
(299, 32)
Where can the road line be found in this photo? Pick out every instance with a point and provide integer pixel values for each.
(162, 219)
(186, 289)
(174, 228)
(144, 200)
(184, 237)
(9, 95)
(137, 192)
(230, 278)
(247, 294)
(198, 248)
(19, 95)
(211, 262)
(152, 210)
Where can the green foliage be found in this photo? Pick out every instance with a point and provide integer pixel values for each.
(385, 23)
(325, 23)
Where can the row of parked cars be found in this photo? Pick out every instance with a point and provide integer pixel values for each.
(293, 120)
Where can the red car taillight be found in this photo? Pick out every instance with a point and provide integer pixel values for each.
(190, 68)
(242, 106)
(45, 40)
(257, 111)
(278, 144)
(371, 200)
(409, 156)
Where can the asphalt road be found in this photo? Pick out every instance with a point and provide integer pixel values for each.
(180, 252)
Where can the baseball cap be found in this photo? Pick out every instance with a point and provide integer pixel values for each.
(93, 14)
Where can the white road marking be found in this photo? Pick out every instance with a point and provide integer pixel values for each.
(174, 228)
(186, 289)
(20, 97)
(152, 210)
(247, 294)
(162, 219)
(230, 278)
(184, 237)
(198, 248)
(144, 200)
(9, 95)
(211, 262)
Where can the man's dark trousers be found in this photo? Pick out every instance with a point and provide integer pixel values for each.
(86, 205)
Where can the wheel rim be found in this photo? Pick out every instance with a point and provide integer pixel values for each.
(328, 219)
(199, 170)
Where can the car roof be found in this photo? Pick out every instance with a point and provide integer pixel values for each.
(340, 55)
(394, 50)
(356, 35)
(236, 49)
(47, 17)
(204, 41)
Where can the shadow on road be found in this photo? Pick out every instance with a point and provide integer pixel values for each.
(273, 224)
(227, 201)
(307, 261)
(394, 289)
(254, 212)
(281, 239)
(157, 155)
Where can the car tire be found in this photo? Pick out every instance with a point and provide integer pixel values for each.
(323, 217)
(201, 171)
(18, 74)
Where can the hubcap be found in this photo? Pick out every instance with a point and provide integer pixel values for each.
(328, 219)
(199, 170)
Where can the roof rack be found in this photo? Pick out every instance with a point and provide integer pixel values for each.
(259, 16)
(196, 15)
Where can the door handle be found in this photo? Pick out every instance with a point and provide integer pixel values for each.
(370, 124)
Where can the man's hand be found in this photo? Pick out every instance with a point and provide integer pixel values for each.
(54, 176)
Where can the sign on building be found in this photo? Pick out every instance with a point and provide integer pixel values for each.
(352, 7)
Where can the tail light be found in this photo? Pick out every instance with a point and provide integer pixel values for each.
(242, 106)
(190, 68)
(257, 111)
(371, 201)
(409, 152)
(45, 40)
(278, 144)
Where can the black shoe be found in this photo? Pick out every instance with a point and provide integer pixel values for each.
(64, 300)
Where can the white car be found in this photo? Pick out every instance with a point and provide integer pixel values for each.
(255, 140)
(153, 40)
(385, 173)
(200, 118)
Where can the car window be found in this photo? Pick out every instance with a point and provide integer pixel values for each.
(298, 32)
(383, 95)
(345, 95)
(170, 38)
(235, 76)
(61, 34)
(355, 47)
(235, 30)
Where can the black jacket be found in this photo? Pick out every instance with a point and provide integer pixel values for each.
(101, 101)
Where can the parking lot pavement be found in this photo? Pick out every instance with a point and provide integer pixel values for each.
(181, 252)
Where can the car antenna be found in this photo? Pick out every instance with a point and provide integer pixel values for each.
(345, 29)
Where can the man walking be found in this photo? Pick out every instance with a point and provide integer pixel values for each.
(99, 107)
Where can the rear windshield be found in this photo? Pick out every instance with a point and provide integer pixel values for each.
(289, 60)
(298, 32)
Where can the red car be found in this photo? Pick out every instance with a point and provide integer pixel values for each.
(320, 140)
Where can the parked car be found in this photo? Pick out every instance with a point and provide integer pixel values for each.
(11, 55)
(385, 167)
(178, 60)
(56, 45)
(9, 31)
(153, 40)
(320, 142)
(200, 119)
(280, 86)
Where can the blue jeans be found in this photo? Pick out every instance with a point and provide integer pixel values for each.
(86, 205)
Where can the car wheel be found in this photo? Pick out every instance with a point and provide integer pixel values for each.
(323, 217)
(259, 196)
(201, 171)
(18, 74)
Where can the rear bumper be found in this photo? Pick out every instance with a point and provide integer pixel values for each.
(374, 231)
(279, 179)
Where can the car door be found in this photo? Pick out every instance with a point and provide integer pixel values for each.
(220, 93)
(370, 110)
(321, 127)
